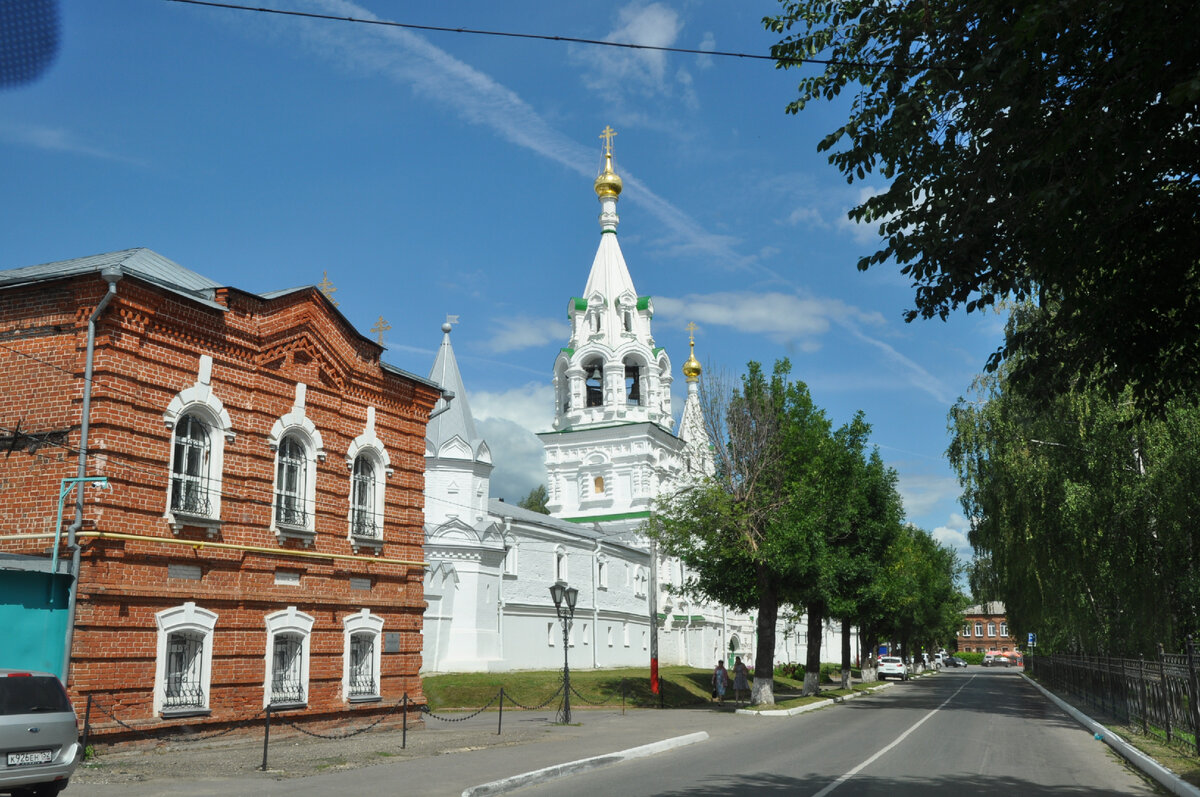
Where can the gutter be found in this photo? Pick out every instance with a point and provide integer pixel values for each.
(112, 275)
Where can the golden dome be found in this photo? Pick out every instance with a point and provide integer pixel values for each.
(691, 368)
(608, 183)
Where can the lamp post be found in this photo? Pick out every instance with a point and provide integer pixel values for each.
(558, 591)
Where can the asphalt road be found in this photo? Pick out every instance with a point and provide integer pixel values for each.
(973, 732)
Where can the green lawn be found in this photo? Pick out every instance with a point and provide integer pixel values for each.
(681, 686)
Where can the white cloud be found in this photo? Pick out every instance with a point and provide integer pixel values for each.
(925, 492)
(56, 139)
(522, 466)
(863, 232)
(522, 332)
(781, 317)
(530, 406)
(954, 536)
(612, 71)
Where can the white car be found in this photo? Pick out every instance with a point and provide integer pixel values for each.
(892, 667)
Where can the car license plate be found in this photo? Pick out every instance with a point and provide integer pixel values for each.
(32, 757)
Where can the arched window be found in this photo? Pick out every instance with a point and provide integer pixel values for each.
(291, 484)
(365, 519)
(190, 468)
(287, 658)
(593, 372)
(633, 383)
(361, 658)
(183, 667)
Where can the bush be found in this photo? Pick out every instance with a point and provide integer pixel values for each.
(793, 670)
(971, 658)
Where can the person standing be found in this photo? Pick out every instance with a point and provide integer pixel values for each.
(720, 681)
(740, 680)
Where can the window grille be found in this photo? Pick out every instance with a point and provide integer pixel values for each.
(362, 665)
(184, 686)
(289, 484)
(189, 473)
(287, 683)
(364, 522)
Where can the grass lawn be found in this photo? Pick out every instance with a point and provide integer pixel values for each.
(681, 686)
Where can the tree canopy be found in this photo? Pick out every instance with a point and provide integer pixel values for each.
(536, 500)
(1047, 150)
(1083, 513)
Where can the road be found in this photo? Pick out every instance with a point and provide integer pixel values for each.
(972, 732)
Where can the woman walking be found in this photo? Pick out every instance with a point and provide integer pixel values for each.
(720, 680)
(740, 681)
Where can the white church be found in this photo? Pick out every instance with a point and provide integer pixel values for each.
(612, 451)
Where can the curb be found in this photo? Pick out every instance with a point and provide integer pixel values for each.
(573, 767)
(1160, 774)
(791, 712)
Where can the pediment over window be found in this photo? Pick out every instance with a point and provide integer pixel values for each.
(455, 448)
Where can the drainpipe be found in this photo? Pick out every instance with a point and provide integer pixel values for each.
(595, 608)
(506, 537)
(112, 275)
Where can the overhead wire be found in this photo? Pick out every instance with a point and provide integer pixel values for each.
(787, 60)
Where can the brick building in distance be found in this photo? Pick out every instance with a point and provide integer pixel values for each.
(985, 627)
(260, 538)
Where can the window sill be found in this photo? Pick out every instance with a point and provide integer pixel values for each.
(181, 520)
(189, 711)
(285, 532)
(287, 706)
(373, 544)
(365, 699)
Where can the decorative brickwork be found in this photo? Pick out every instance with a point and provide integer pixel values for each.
(152, 345)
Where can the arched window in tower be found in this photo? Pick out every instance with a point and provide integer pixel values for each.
(628, 316)
(594, 381)
(633, 383)
(598, 485)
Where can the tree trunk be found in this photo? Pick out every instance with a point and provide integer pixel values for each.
(763, 691)
(812, 663)
(846, 663)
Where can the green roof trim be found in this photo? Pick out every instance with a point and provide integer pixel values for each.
(568, 350)
(607, 231)
(604, 518)
(643, 302)
(656, 350)
(580, 304)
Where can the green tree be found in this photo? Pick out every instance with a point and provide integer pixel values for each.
(1046, 150)
(745, 533)
(1083, 512)
(536, 500)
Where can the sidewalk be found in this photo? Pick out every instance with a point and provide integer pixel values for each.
(445, 758)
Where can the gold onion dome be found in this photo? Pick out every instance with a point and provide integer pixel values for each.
(608, 183)
(691, 368)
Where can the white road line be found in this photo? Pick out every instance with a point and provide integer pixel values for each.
(895, 742)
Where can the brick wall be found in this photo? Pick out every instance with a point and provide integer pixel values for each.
(148, 349)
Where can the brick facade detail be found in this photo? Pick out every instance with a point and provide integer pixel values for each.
(153, 344)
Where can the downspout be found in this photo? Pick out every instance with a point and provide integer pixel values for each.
(595, 608)
(506, 536)
(112, 275)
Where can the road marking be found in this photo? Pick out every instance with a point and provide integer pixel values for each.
(895, 742)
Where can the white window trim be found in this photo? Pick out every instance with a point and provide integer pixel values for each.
(287, 621)
(362, 622)
(602, 572)
(185, 618)
(297, 425)
(369, 445)
(560, 564)
(200, 401)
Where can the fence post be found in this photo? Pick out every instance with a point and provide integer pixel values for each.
(1195, 692)
(404, 732)
(623, 683)
(87, 727)
(266, 738)
(500, 720)
(1166, 690)
(1144, 691)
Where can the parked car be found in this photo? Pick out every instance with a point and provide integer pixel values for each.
(892, 667)
(39, 734)
(954, 661)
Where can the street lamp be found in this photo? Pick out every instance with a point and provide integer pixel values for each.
(558, 591)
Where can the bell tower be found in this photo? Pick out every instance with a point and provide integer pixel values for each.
(612, 444)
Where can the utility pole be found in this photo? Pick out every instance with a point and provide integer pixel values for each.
(654, 685)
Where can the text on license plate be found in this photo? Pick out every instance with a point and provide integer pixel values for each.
(32, 757)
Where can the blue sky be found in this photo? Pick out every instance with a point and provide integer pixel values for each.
(440, 173)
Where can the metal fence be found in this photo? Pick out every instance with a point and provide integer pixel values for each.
(1158, 696)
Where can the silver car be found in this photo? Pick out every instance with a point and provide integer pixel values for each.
(39, 735)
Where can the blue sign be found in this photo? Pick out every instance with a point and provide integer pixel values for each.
(1032, 639)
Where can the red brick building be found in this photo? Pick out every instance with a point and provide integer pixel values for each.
(260, 540)
(985, 627)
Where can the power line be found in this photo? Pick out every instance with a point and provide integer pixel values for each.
(791, 60)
